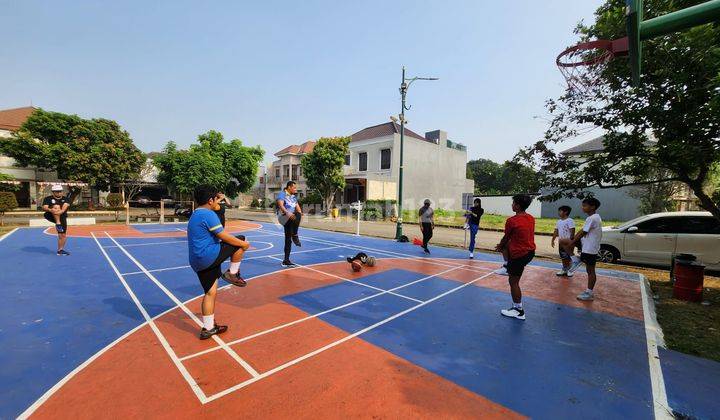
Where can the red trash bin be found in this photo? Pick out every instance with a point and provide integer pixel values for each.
(689, 276)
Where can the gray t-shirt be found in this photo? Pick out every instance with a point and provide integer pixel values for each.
(426, 215)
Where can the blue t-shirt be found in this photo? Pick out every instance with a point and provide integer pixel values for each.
(203, 245)
(290, 200)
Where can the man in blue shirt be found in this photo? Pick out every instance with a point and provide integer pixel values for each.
(208, 246)
(289, 215)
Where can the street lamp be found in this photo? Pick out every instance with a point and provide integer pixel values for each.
(404, 86)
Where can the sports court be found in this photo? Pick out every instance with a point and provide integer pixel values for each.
(112, 330)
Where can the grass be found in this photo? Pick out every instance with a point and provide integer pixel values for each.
(494, 221)
(689, 327)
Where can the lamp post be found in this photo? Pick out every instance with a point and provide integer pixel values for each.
(404, 86)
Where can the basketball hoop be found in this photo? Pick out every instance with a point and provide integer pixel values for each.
(580, 64)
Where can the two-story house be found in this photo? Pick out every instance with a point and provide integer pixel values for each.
(287, 168)
(434, 168)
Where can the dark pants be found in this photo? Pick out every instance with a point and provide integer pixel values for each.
(427, 230)
(291, 229)
(473, 234)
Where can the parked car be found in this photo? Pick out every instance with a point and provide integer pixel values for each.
(654, 239)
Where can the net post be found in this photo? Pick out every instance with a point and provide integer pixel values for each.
(127, 212)
(162, 211)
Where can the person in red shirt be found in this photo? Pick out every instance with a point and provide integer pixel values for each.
(518, 249)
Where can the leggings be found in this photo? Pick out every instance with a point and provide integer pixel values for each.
(291, 229)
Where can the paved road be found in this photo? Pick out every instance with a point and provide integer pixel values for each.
(485, 240)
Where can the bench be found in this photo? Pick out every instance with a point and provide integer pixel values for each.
(71, 221)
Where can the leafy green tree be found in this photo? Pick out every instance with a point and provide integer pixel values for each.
(8, 202)
(115, 202)
(96, 151)
(323, 167)
(507, 178)
(229, 166)
(669, 124)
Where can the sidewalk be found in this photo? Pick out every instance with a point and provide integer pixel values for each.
(485, 240)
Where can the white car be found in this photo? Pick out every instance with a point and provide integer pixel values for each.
(654, 239)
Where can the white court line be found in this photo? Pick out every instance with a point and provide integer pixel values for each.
(309, 317)
(653, 336)
(187, 311)
(8, 234)
(340, 341)
(182, 241)
(180, 267)
(348, 280)
(193, 385)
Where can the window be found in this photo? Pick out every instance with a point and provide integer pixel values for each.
(277, 173)
(385, 159)
(347, 160)
(662, 225)
(699, 225)
(362, 164)
(286, 172)
(294, 173)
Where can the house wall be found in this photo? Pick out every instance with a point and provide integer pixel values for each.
(615, 204)
(502, 205)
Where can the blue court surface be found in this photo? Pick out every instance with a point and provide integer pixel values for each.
(111, 331)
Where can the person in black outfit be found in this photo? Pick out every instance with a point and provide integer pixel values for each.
(289, 215)
(223, 205)
(56, 207)
(427, 223)
(473, 217)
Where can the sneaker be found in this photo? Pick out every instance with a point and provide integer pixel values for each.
(502, 271)
(288, 264)
(585, 296)
(561, 273)
(296, 240)
(574, 264)
(569, 274)
(471, 256)
(63, 253)
(234, 279)
(59, 229)
(218, 329)
(427, 251)
(513, 313)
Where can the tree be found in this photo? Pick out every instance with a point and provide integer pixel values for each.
(667, 125)
(115, 202)
(508, 178)
(323, 167)
(7, 203)
(228, 166)
(96, 151)
(133, 185)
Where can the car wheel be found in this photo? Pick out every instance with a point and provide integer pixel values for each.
(608, 254)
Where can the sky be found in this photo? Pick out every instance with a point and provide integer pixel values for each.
(275, 73)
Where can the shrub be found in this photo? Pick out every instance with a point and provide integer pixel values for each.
(115, 202)
(7, 203)
(371, 213)
(254, 203)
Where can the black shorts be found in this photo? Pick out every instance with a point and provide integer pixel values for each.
(209, 275)
(516, 266)
(589, 259)
(63, 219)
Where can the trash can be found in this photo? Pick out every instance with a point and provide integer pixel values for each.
(335, 212)
(688, 275)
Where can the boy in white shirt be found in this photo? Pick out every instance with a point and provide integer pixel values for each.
(589, 237)
(564, 229)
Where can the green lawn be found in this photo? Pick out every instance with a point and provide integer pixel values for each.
(494, 221)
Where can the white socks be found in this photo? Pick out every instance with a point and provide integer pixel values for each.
(517, 305)
(234, 267)
(589, 291)
(209, 321)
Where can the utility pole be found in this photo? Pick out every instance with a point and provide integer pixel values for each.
(404, 86)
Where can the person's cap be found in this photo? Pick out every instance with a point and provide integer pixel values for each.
(56, 187)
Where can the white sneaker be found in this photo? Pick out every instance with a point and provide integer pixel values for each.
(585, 296)
(561, 273)
(569, 274)
(471, 256)
(574, 264)
(502, 271)
(513, 313)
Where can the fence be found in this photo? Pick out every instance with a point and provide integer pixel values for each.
(161, 211)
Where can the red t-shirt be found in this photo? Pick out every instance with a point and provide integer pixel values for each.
(521, 231)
